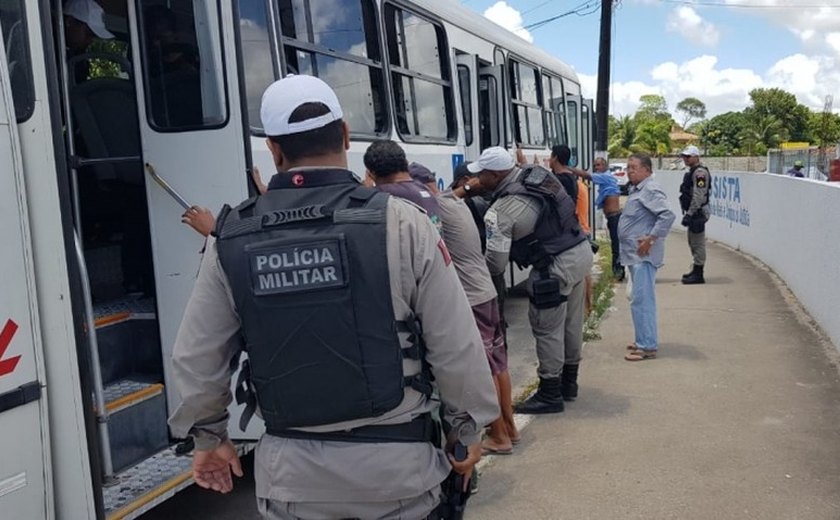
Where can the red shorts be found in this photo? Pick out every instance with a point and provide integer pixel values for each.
(492, 335)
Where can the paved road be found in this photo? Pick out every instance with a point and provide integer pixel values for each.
(737, 419)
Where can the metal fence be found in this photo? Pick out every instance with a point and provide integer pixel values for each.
(815, 159)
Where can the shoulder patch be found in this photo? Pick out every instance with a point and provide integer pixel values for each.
(445, 252)
(701, 182)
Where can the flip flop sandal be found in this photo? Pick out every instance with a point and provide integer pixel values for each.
(640, 355)
(485, 450)
(632, 346)
(516, 441)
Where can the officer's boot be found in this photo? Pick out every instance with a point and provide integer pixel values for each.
(695, 276)
(568, 382)
(547, 399)
(689, 274)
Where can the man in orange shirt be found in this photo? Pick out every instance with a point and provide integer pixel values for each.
(582, 212)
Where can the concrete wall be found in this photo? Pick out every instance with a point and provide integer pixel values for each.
(790, 224)
(735, 164)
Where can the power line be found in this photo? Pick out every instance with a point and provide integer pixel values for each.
(581, 9)
(741, 5)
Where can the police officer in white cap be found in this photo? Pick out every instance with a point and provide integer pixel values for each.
(347, 304)
(532, 222)
(694, 201)
(83, 23)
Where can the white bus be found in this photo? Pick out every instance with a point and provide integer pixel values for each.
(97, 268)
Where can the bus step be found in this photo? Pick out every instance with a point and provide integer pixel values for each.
(137, 421)
(152, 482)
(122, 310)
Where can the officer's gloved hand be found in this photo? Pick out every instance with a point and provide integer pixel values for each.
(686, 220)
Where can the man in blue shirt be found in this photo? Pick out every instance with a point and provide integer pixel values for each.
(607, 201)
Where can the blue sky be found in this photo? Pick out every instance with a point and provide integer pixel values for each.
(681, 48)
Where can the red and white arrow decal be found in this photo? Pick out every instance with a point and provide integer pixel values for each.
(7, 366)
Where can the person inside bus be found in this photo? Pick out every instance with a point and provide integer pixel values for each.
(84, 22)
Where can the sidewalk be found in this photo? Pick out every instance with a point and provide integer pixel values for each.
(738, 418)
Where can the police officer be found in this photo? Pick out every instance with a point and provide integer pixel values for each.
(694, 201)
(347, 304)
(532, 222)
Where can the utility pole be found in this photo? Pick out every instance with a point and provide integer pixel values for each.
(602, 100)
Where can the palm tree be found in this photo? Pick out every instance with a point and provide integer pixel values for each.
(622, 136)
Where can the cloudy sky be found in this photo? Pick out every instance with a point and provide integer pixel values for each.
(715, 50)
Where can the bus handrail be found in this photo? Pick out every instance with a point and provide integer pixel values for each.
(167, 187)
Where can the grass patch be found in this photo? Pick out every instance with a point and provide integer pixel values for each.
(602, 292)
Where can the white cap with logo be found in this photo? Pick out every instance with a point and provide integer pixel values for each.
(690, 151)
(286, 95)
(89, 13)
(494, 158)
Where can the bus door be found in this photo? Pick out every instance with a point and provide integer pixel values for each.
(491, 106)
(587, 118)
(192, 139)
(25, 470)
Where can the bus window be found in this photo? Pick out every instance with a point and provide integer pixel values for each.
(553, 110)
(488, 111)
(466, 102)
(527, 112)
(422, 88)
(182, 61)
(257, 56)
(338, 41)
(586, 138)
(13, 24)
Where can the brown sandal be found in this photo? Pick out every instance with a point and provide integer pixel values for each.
(632, 347)
(640, 355)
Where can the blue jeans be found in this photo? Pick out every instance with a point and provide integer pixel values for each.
(643, 305)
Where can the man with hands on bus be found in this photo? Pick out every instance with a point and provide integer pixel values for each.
(350, 305)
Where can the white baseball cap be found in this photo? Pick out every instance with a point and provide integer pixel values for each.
(284, 96)
(494, 158)
(690, 151)
(89, 13)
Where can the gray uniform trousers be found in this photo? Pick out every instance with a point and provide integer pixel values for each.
(697, 244)
(559, 331)
(411, 508)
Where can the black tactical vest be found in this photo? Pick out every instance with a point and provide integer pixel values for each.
(687, 187)
(308, 270)
(557, 227)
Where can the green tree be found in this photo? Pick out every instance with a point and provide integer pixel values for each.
(783, 105)
(622, 136)
(691, 108)
(652, 106)
(761, 132)
(824, 128)
(653, 136)
(720, 135)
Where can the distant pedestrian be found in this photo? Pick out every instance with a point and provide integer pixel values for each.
(694, 201)
(558, 162)
(607, 200)
(464, 243)
(642, 229)
(796, 171)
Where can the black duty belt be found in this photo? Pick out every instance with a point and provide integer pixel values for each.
(421, 429)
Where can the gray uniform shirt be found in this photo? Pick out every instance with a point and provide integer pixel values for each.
(294, 470)
(646, 212)
(461, 236)
(700, 180)
(514, 217)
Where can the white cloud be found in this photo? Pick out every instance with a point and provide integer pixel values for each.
(685, 21)
(810, 78)
(509, 18)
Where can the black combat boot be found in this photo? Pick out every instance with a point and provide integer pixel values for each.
(547, 399)
(568, 382)
(694, 277)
